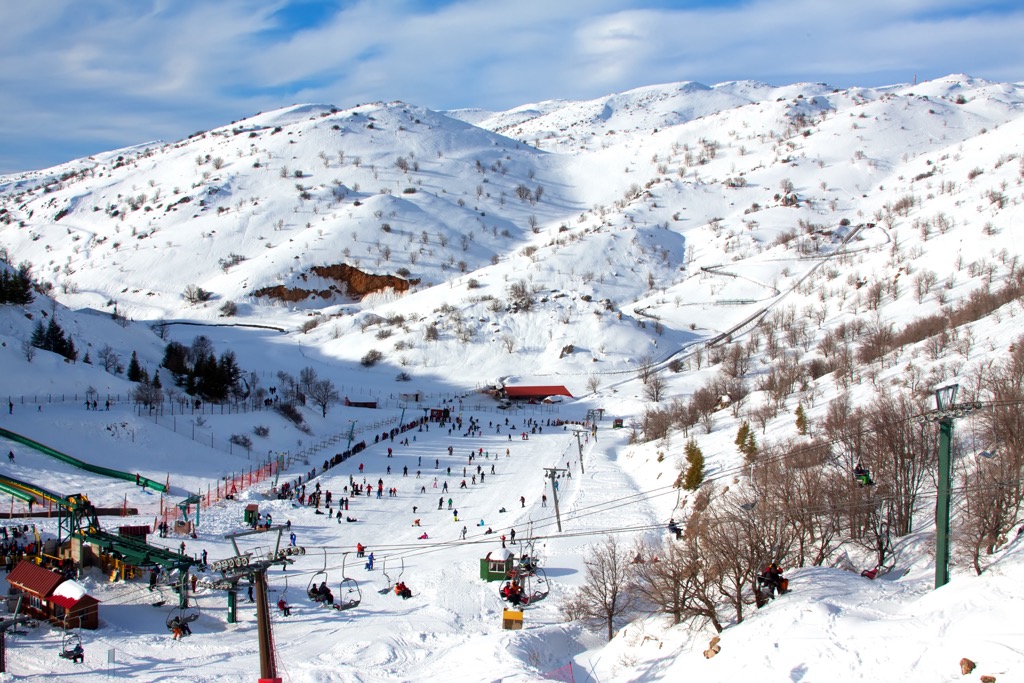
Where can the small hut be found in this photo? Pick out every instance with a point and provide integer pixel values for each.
(49, 596)
(496, 565)
(73, 606)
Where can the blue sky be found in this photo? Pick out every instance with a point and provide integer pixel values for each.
(83, 77)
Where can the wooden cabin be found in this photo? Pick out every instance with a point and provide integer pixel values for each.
(49, 596)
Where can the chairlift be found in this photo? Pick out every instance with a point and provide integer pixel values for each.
(384, 570)
(182, 615)
(529, 578)
(349, 595)
(862, 475)
(312, 590)
(71, 643)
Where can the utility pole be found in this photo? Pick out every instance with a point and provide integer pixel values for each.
(579, 445)
(551, 473)
(947, 408)
(268, 666)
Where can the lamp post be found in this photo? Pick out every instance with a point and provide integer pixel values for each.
(946, 409)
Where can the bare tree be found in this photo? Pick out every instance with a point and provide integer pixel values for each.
(644, 367)
(323, 394)
(148, 395)
(993, 486)
(609, 594)
(28, 350)
(654, 390)
(306, 377)
(904, 454)
(508, 340)
(672, 576)
(108, 358)
(593, 383)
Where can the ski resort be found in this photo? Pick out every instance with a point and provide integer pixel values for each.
(678, 382)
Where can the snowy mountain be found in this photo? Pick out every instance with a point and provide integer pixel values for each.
(684, 232)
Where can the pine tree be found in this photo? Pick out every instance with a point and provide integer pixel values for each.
(38, 339)
(801, 420)
(87, 360)
(134, 369)
(742, 434)
(694, 476)
(156, 381)
(746, 442)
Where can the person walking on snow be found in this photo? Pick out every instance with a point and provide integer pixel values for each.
(522, 501)
(463, 537)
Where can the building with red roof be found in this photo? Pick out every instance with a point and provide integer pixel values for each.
(49, 596)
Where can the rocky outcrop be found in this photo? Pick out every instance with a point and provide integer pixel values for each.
(359, 284)
(351, 282)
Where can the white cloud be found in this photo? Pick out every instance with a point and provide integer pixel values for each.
(164, 67)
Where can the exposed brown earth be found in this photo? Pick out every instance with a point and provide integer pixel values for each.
(354, 282)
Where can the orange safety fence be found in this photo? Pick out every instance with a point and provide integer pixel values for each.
(226, 488)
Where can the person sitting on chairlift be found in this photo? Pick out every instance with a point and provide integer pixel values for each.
(402, 590)
(771, 578)
(862, 475)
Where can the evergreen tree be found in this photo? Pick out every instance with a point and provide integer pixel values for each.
(694, 476)
(801, 420)
(16, 287)
(87, 360)
(38, 339)
(746, 442)
(176, 360)
(134, 369)
(156, 381)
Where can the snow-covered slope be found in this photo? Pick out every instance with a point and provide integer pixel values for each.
(559, 243)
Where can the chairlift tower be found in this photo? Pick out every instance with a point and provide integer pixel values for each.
(245, 565)
(946, 409)
(552, 474)
(579, 445)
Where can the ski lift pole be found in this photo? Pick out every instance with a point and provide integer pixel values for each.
(579, 445)
(351, 434)
(551, 474)
(946, 409)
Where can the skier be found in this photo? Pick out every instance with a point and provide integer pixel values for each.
(463, 533)
(522, 501)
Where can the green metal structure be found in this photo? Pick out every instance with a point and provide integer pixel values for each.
(144, 482)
